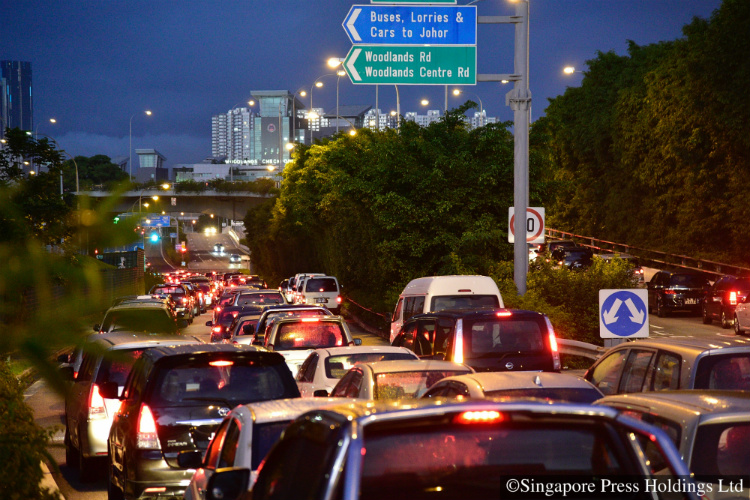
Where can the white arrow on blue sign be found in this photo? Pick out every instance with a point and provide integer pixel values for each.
(411, 25)
(623, 314)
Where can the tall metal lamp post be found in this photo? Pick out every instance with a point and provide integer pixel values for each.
(130, 148)
(458, 92)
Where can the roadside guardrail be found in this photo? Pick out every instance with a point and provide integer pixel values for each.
(577, 348)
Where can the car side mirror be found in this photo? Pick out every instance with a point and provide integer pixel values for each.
(228, 484)
(191, 459)
(320, 393)
(357, 341)
(67, 373)
(209, 323)
(109, 390)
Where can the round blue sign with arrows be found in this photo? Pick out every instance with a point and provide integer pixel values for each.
(623, 313)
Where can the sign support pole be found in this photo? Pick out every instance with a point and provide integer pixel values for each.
(519, 99)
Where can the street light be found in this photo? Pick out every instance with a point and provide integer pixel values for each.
(335, 62)
(569, 70)
(130, 148)
(458, 92)
(316, 83)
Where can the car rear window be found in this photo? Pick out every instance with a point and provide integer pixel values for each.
(321, 285)
(140, 320)
(727, 371)
(721, 450)
(265, 436)
(409, 384)
(243, 381)
(260, 299)
(337, 366)
(689, 280)
(117, 368)
(250, 323)
(309, 335)
(448, 302)
(467, 460)
(489, 337)
(168, 289)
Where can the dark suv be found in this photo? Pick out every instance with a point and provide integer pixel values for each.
(173, 401)
(676, 291)
(722, 298)
(486, 340)
(141, 317)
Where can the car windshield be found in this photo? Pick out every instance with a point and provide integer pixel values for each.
(467, 460)
(140, 320)
(321, 285)
(262, 298)
(337, 366)
(489, 337)
(449, 302)
(689, 280)
(309, 335)
(721, 450)
(117, 367)
(411, 384)
(240, 382)
(726, 371)
(567, 394)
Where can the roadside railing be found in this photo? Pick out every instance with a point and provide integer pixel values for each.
(653, 258)
(577, 348)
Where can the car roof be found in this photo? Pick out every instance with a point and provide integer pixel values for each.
(408, 365)
(167, 351)
(481, 313)
(314, 319)
(694, 345)
(362, 349)
(127, 306)
(288, 409)
(694, 401)
(122, 338)
(493, 381)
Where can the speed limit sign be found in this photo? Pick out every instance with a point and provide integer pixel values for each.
(534, 224)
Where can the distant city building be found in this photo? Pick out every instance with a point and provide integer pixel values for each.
(386, 120)
(432, 116)
(151, 166)
(16, 101)
(204, 172)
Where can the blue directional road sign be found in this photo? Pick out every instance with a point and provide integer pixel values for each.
(623, 314)
(155, 221)
(412, 25)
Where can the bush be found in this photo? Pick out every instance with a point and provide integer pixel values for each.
(22, 443)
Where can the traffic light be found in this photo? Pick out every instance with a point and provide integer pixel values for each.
(116, 219)
(154, 237)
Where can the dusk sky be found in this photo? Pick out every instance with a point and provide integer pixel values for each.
(96, 63)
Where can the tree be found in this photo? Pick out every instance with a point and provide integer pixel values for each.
(94, 171)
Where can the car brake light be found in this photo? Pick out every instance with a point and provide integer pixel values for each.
(310, 320)
(504, 314)
(156, 489)
(184, 300)
(216, 329)
(338, 299)
(218, 309)
(221, 362)
(733, 298)
(556, 364)
(464, 290)
(458, 350)
(479, 417)
(147, 438)
(97, 410)
(670, 292)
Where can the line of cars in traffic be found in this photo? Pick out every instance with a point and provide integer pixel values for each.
(410, 419)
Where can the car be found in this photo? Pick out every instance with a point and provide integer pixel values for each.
(235, 258)
(394, 379)
(636, 268)
(670, 291)
(243, 326)
(553, 245)
(105, 360)
(184, 302)
(324, 367)
(440, 293)
(296, 337)
(259, 298)
(673, 363)
(219, 248)
(453, 450)
(244, 438)
(143, 317)
(722, 299)
(288, 310)
(573, 257)
(321, 291)
(550, 386)
(174, 400)
(225, 317)
(711, 429)
(485, 340)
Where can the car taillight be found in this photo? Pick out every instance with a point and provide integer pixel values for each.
(479, 417)
(147, 438)
(97, 411)
(458, 350)
(184, 300)
(670, 292)
(216, 329)
(217, 309)
(310, 320)
(556, 364)
(503, 314)
(338, 299)
(221, 363)
(733, 298)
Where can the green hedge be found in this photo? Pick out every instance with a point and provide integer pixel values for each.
(22, 444)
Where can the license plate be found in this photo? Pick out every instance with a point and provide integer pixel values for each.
(321, 300)
(691, 302)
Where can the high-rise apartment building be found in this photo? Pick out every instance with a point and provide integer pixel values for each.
(16, 102)
(231, 135)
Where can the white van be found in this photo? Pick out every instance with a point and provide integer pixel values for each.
(441, 293)
(321, 291)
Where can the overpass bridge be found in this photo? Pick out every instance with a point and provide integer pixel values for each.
(232, 205)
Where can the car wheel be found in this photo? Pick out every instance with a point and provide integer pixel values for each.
(113, 492)
(660, 309)
(737, 328)
(86, 466)
(725, 323)
(706, 318)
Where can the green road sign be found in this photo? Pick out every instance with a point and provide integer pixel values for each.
(412, 65)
